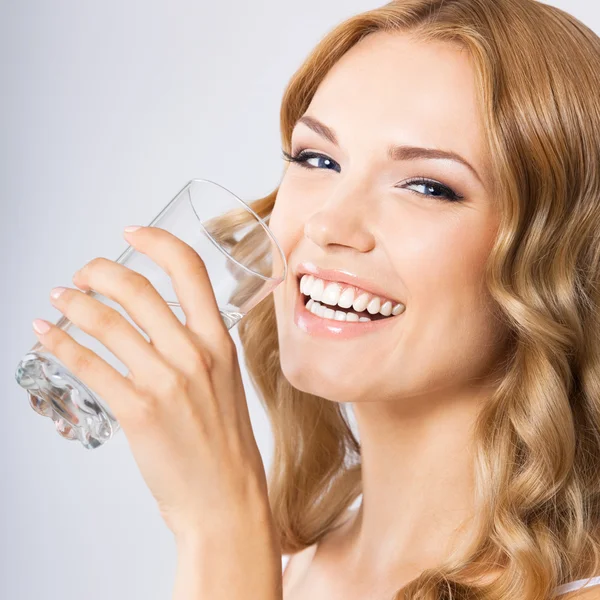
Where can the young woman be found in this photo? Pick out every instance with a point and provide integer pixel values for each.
(440, 213)
(477, 405)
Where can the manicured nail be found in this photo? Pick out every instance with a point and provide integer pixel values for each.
(131, 228)
(41, 326)
(57, 291)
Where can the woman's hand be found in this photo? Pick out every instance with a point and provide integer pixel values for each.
(182, 405)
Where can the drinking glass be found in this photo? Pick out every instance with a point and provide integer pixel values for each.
(244, 263)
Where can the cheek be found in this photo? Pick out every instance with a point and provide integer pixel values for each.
(285, 221)
(287, 228)
(442, 260)
(452, 323)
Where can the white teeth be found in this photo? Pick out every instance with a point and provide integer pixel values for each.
(346, 298)
(337, 315)
(316, 291)
(306, 282)
(398, 309)
(333, 293)
(361, 302)
(374, 306)
(328, 313)
(386, 309)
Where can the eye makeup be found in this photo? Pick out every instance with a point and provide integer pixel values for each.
(444, 192)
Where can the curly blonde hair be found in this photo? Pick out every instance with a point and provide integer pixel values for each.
(538, 437)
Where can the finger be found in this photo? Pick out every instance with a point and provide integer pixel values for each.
(140, 299)
(110, 328)
(190, 281)
(92, 370)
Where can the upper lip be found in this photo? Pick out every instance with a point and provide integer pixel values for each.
(343, 276)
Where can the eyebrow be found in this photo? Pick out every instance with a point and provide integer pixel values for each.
(394, 152)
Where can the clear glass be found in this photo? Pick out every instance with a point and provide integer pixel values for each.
(244, 263)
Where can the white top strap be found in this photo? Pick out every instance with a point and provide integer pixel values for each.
(576, 585)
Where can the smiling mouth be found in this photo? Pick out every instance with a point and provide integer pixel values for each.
(339, 313)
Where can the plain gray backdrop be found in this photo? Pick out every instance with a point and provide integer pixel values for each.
(108, 109)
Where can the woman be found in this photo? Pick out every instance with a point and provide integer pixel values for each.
(443, 174)
(477, 406)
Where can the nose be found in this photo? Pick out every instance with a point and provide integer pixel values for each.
(342, 221)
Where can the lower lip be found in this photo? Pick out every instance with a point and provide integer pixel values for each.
(330, 328)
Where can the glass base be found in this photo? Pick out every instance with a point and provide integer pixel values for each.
(55, 393)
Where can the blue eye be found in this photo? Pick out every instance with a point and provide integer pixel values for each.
(444, 192)
(303, 156)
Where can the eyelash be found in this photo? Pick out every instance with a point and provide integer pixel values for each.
(448, 193)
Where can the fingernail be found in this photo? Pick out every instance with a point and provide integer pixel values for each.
(57, 291)
(40, 325)
(131, 228)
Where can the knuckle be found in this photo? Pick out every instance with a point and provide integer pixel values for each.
(83, 361)
(229, 350)
(146, 408)
(140, 284)
(225, 347)
(95, 263)
(163, 382)
(200, 361)
(87, 272)
(172, 383)
(108, 319)
(196, 260)
(145, 411)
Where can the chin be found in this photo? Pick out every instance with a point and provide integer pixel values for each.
(316, 377)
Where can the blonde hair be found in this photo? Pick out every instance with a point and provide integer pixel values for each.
(537, 463)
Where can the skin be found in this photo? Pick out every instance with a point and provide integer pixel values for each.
(183, 409)
(417, 385)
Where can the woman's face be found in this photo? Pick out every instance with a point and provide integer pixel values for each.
(355, 209)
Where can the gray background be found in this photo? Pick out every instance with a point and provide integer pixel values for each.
(108, 109)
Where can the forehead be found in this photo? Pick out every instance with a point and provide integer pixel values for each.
(391, 88)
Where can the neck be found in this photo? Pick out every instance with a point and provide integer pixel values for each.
(417, 475)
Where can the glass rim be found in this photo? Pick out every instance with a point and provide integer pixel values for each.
(260, 221)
